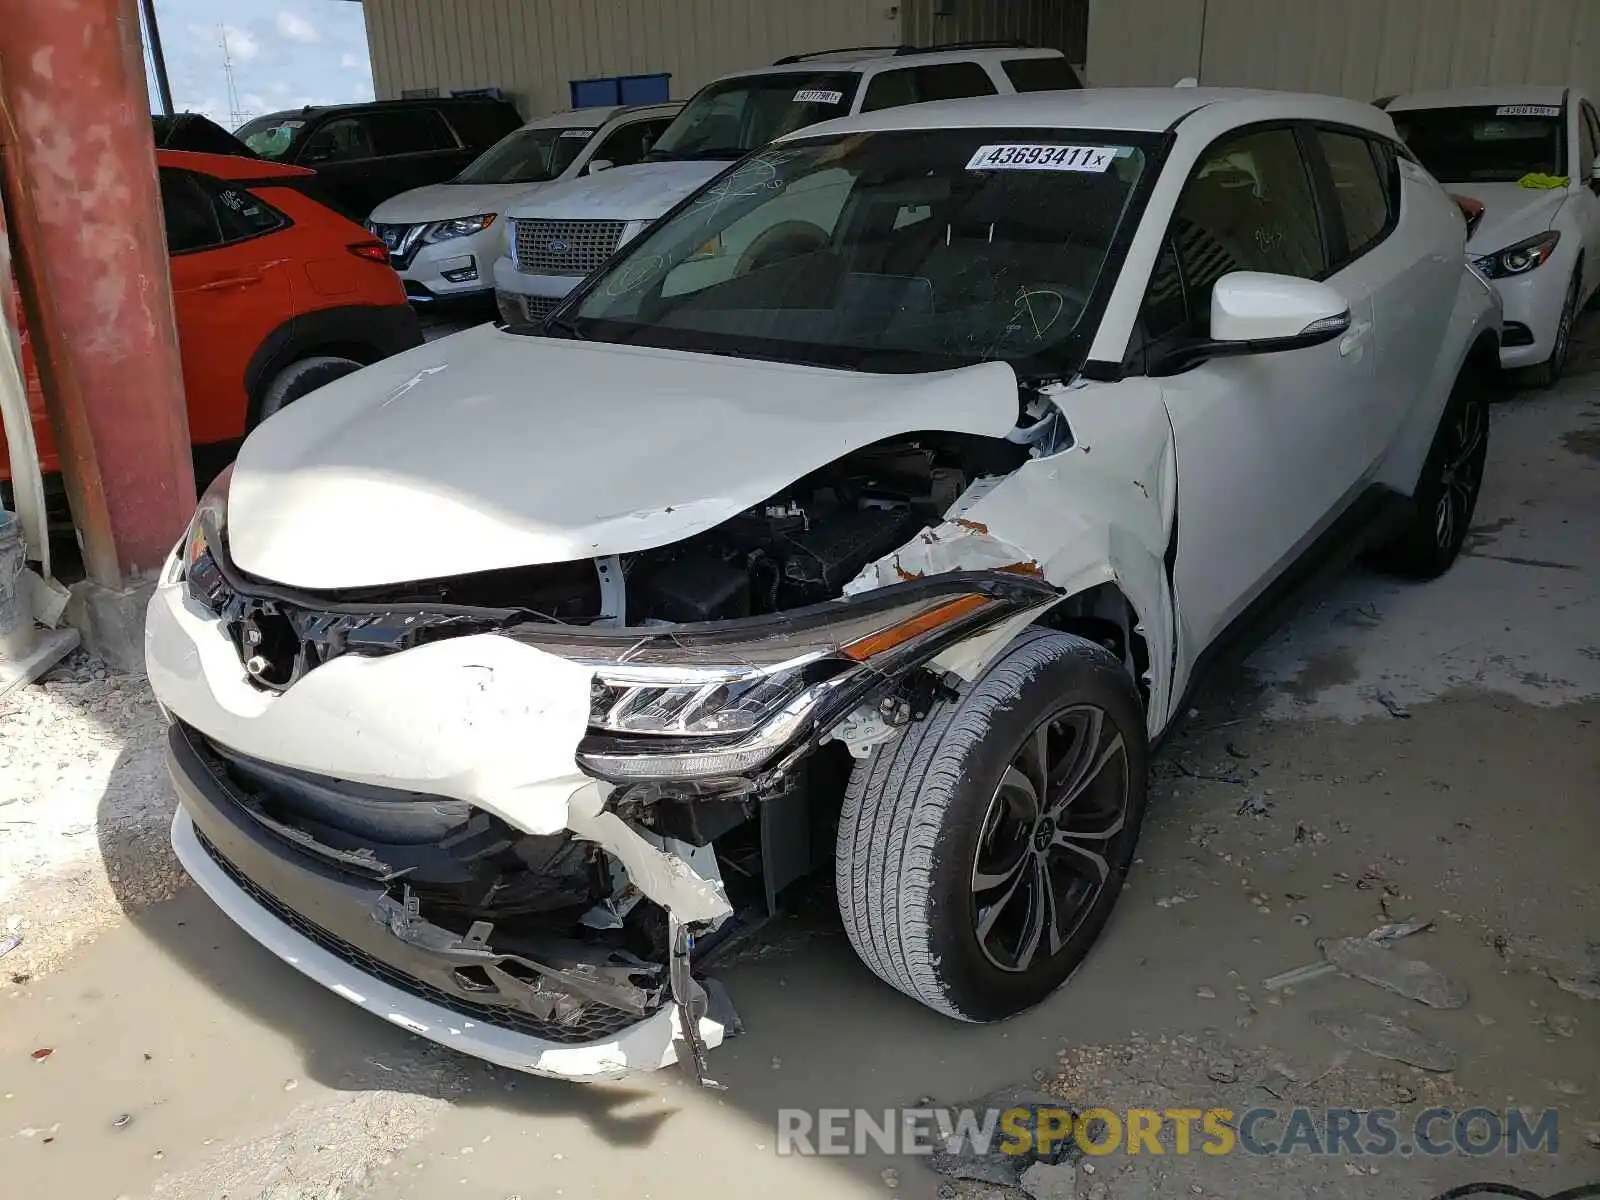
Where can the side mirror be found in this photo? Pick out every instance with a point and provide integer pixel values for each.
(599, 164)
(1253, 312)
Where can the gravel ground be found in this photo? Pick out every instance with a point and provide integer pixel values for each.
(84, 808)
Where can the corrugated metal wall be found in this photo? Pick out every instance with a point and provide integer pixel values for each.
(532, 48)
(1358, 48)
(1063, 24)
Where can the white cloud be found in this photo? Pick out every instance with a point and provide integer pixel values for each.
(350, 62)
(240, 44)
(297, 29)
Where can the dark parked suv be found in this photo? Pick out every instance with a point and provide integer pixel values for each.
(365, 153)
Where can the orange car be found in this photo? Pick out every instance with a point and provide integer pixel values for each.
(275, 295)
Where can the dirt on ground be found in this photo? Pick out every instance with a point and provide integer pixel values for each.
(1400, 752)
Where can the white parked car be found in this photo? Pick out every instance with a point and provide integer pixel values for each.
(557, 238)
(509, 675)
(443, 238)
(1530, 156)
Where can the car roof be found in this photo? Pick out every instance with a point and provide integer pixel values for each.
(593, 118)
(1470, 97)
(285, 114)
(1129, 109)
(230, 166)
(867, 58)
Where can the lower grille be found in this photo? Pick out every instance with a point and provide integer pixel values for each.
(595, 1022)
(536, 308)
(546, 247)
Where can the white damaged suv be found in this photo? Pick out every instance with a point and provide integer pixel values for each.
(515, 676)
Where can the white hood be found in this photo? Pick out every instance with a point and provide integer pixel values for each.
(1511, 213)
(491, 449)
(442, 201)
(638, 193)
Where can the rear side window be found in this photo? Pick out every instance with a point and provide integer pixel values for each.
(188, 213)
(242, 214)
(1041, 74)
(1361, 188)
(409, 131)
(918, 85)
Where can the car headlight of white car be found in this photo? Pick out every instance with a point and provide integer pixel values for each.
(443, 231)
(210, 518)
(715, 705)
(1519, 258)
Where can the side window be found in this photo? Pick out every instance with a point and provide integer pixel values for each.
(1248, 206)
(918, 85)
(344, 139)
(242, 214)
(409, 131)
(187, 212)
(1362, 192)
(1588, 141)
(628, 144)
(1041, 74)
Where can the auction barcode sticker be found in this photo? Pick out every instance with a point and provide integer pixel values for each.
(1042, 158)
(1528, 110)
(817, 96)
(577, 133)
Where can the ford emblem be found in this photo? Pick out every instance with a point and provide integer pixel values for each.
(557, 246)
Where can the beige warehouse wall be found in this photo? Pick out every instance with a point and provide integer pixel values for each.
(532, 48)
(1358, 48)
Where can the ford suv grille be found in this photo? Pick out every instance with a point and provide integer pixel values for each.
(564, 247)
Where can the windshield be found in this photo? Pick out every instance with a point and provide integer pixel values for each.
(1487, 143)
(527, 156)
(893, 251)
(270, 136)
(731, 118)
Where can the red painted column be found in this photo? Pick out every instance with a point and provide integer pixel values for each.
(84, 203)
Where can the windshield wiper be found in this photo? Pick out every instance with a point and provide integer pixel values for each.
(566, 326)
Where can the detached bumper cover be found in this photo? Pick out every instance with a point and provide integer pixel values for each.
(330, 927)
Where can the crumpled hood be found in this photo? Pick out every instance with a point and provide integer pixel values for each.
(490, 449)
(637, 193)
(442, 201)
(1511, 213)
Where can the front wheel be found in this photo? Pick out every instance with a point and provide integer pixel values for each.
(1549, 372)
(980, 855)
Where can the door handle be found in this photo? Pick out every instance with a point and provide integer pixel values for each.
(1355, 339)
(230, 281)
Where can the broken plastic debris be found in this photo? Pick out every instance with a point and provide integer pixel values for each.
(1181, 898)
(1385, 1037)
(1383, 934)
(1396, 709)
(1381, 966)
(7, 945)
(1256, 804)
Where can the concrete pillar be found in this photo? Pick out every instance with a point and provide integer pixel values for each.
(83, 199)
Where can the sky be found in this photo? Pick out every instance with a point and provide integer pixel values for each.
(285, 53)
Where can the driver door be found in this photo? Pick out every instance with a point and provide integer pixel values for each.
(1270, 447)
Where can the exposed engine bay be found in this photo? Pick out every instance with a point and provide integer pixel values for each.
(799, 547)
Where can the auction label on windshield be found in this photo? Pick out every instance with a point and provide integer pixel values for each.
(1042, 158)
(1528, 110)
(577, 133)
(817, 96)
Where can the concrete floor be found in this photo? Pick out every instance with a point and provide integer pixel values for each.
(187, 1063)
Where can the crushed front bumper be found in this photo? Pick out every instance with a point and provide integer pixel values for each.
(455, 719)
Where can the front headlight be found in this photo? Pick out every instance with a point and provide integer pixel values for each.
(210, 517)
(1520, 258)
(722, 706)
(443, 231)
